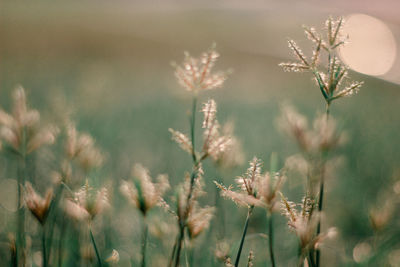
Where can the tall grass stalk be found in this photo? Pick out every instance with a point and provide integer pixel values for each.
(273, 162)
(44, 254)
(63, 229)
(171, 259)
(192, 127)
(271, 238)
(196, 163)
(321, 195)
(22, 163)
(95, 247)
(246, 225)
(179, 245)
(144, 241)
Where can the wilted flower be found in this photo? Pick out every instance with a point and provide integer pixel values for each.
(22, 130)
(195, 73)
(87, 203)
(330, 79)
(142, 192)
(38, 206)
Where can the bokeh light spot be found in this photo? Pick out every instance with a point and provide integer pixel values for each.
(372, 47)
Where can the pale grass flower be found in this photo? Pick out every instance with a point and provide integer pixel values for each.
(38, 205)
(232, 156)
(228, 262)
(330, 78)
(381, 214)
(298, 163)
(222, 250)
(268, 187)
(214, 143)
(255, 188)
(295, 125)
(182, 140)
(21, 130)
(323, 136)
(195, 74)
(190, 214)
(250, 259)
(304, 222)
(81, 147)
(87, 202)
(141, 192)
(199, 220)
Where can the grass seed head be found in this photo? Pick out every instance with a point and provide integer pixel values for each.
(21, 130)
(195, 74)
(329, 79)
(250, 259)
(233, 155)
(142, 192)
(182, 140)
(37, 205)
(87, 202)
(81, 147)
(199, 220)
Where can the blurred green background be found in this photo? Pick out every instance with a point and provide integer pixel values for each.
(107, 64)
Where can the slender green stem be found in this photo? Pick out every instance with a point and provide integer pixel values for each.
(95, 247)
(246, 225)
(44, 257)
(271, 239)
(220, 226)
(63, 228)
(188, 253)
(179, 245)
(328, 105)
(310, 260)
(321, 196)
(13, 257)
(54, 212)
(173, 252)
(320, 202)
(300, 263)
(191, 256)
(144, 242)
(20, 242)
(196, 163)
(193, 127)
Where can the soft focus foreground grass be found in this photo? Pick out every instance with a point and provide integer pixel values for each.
(110, 69)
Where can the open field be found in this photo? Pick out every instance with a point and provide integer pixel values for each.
(107, 66)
